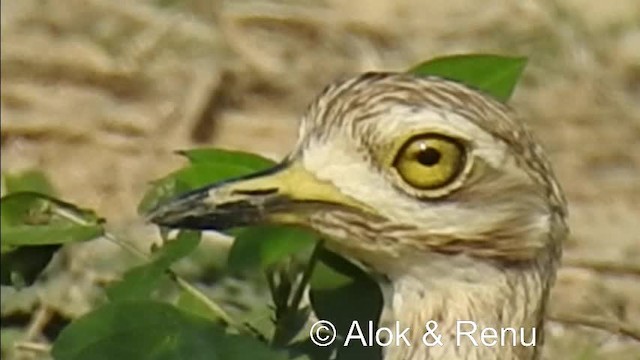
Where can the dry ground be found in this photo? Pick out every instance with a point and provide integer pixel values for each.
(98, 93)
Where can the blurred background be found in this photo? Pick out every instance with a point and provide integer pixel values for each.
(99, 94)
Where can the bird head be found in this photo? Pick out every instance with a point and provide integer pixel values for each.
(391, 167)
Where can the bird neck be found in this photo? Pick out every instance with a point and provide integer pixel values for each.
(465, 298)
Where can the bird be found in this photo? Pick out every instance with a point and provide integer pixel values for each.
(433, 185)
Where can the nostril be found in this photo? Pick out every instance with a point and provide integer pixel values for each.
(255, 192)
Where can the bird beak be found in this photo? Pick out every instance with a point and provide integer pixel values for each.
(285, 194)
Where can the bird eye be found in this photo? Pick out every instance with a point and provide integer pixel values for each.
(430, 161)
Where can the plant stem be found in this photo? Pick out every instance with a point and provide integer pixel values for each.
(210, 304)
(33, 347)
(182, 283)
(271, 283)
(306, 276)
(290, 309)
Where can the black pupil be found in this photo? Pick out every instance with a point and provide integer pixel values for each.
(428, 156)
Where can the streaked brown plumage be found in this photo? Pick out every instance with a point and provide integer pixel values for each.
(478, 238)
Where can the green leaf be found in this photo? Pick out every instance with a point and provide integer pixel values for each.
(141, 281)
(161, 190)
(326, 278)
(251, 162)
(48, 234)
(34, 209)
(260, 320)
(33, 228)
(148, 330)
(496, 75)
(31, 180)
(190, 303)
(263, 246)
(208, 166)
(335, 284)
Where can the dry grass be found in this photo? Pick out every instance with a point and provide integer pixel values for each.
(99, 93)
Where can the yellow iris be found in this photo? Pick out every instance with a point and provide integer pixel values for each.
(430, 161)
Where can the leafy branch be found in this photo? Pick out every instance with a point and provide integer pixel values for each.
(35, 225)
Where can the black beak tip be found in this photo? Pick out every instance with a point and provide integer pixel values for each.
(161, 216)
(171, 212)
(154, 216)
